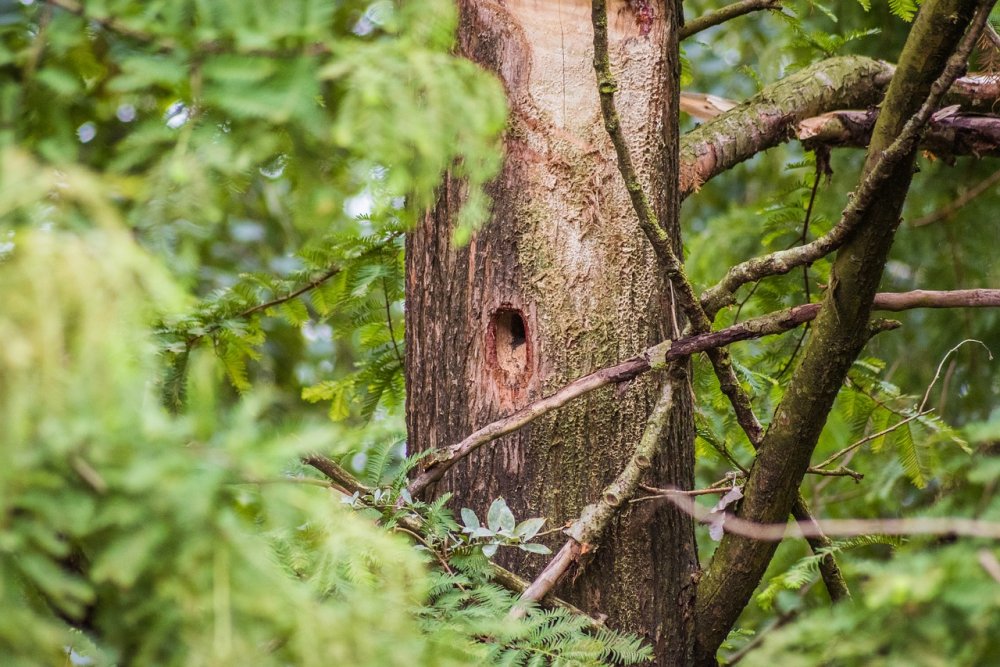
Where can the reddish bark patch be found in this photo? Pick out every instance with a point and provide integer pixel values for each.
(509, 349)
(643, 11)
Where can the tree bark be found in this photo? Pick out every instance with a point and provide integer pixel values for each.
(558, 283)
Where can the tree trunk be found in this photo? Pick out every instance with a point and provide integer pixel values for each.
(560, 282)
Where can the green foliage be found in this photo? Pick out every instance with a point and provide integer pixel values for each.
(181, 189)
(932, 606)
(904, 9)
(170, 538)
(465, 605)
(203, 207)
(806, 570)
(149, 531)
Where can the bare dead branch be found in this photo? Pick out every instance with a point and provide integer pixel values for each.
(947, 136)
(549, 577)
(872, 436)
(727, 13)
(657, 356)
(836, 472)
(962, 298)
(775, 532)
(336, 473)
(595, 518)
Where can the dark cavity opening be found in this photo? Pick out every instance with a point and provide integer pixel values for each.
(509, 347)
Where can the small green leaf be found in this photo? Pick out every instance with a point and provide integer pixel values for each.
(470, 519)
(529, 528)
(535, 548)
(493, 516)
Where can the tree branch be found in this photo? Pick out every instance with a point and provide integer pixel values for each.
(768, 118)
(658, 355)
(594, 519)
(776, 532)
(947, 136)
(882, 165)
(771, 117)
(727, 13)
(927, 69)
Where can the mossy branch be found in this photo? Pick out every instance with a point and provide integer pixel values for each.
(772, 116)
(928, 66)
(883, 166)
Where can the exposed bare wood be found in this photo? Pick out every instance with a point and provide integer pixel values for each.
(947, 136)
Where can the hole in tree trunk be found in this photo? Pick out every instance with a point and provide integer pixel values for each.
(509, 350)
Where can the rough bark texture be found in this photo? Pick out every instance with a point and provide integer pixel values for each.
(561, 282)
(839, 332)
(769, 118)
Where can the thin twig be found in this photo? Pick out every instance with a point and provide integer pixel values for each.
(388, 317)
(783, 619)
(249, 312)
(805, 268)
(937, 373)
(721, 294)
(726, 13)
(959, 202)
(776, 532)
(868, 438)
(842, 471)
